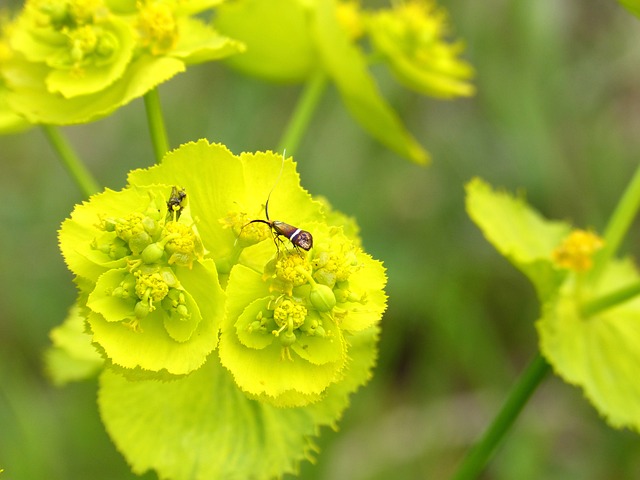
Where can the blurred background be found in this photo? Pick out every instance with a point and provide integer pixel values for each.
(556, 116)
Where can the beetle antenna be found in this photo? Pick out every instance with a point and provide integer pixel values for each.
(266, 206)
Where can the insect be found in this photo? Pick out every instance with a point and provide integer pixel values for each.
(299, 238)
(175, 203)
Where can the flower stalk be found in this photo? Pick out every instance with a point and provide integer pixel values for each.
(619, 224)
(481, 453)
(306, 106)
(71, 162)
(157, 129)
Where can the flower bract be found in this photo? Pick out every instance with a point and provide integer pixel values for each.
(597, 349)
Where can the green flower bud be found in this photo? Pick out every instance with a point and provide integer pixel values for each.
(257, 326)
(152, 253)
(151, 226)
(322, 298)
(108, 224)
(119, 249)
(170, 302)
(142, 309)
(127, 287)
(139, 241)
(325, 277)
(107, 45)
(102, 245)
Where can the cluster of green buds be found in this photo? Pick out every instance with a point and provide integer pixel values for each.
(77, 60)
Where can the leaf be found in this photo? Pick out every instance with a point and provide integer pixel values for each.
(368, 281)
(518, 232)
(276, 34)
(202, 427)
(199, 43)
(632, 5)
(347, 67)
(600, 353)
(29, 97)
(71, 356)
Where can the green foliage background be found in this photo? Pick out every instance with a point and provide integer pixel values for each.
(556, 115)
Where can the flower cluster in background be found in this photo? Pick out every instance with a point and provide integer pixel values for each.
(296, 40)
(74, 61)
(590, 314)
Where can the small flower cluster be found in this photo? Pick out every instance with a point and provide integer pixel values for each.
(134, 263)
(293, 40)
(410, 38)
(74, 61)
(576, 251)
(308, 305)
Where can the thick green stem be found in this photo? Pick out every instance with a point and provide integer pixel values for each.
(156, 124)
(619, 224)
(479, 455)
(71, 161)
(303, 112)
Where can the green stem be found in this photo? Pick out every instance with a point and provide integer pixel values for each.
(71, 161)
(612, 299)
(479, 455)
(619, 224)
(156, 124)
(303, 112)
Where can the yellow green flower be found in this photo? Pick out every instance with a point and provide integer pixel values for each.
(297, 40)
(411, 39)
(597, 349)
(153, 301)
(300, 328)
(287, 332)
(10, 121)
(78, 60)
